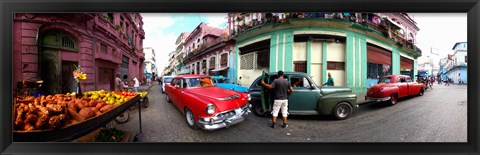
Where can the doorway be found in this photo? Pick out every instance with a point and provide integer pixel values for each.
(69, 84)
(51, 72)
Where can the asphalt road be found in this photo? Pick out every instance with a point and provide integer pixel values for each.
(438, 116)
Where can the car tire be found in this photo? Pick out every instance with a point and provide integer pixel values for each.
(123, 118)
(190, 119)
(168, 98)
(422, 91)
(393, 99)
(342, 111)
(258, 110)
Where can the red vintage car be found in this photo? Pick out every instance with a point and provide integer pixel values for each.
(205, 105)
(392, 87)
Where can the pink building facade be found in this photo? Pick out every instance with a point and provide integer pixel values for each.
(48, 46)
(208, 50)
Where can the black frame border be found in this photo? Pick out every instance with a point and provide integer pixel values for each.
(8, 7)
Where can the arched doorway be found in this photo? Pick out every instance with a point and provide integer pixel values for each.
(56, 73)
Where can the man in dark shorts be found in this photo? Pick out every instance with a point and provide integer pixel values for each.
(280, 88)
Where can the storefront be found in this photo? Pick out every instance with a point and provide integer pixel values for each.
(406, 66)
(379, 63)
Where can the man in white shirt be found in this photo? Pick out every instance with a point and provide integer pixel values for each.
(136, 84)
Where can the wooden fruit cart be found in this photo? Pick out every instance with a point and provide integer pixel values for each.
(74, 131)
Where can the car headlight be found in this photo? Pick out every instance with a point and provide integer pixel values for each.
(210, 109)
(249, 97)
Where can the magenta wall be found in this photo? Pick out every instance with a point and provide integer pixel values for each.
(89, 31)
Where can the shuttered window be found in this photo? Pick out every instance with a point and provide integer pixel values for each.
(300, 66)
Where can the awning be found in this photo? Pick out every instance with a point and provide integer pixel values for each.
(395, 23)
(220, 69)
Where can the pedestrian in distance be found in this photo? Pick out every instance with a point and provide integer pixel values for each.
(329, 81)
(281, 92)
(136, 84)
(125, 83)
(118, 83)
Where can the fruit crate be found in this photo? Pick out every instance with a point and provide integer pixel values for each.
(74, 131)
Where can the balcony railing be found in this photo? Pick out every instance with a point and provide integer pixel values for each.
(382, 26)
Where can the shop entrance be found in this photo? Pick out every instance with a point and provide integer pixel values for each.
(379, 63)
(69, 82)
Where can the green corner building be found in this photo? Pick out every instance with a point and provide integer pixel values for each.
(356, 50)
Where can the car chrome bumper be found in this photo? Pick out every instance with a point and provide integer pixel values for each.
(217, 122)
(372, 99)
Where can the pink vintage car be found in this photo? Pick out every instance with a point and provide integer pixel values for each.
(205, 105)
(392, 87)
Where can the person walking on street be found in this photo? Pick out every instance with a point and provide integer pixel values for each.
(329, 81)
(118, 83)
(280, 88)
(136, 84)
(447, 81)
(125, 83)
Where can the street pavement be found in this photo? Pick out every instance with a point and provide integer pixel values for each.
(438, 116)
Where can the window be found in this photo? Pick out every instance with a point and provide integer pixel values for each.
(110, 17)
(401, 80)
(212, 63)
(224, 60)
(103, 48)
(246, 61)
(331, 65)
(300, 66)
(377, 71)
(300, 82)
(263, 59)
(409, 80)
(178, 83)
(385, 80)
(67, 42)
(199, 82)
(125, 61)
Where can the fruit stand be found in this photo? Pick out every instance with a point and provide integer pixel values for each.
(61, 108)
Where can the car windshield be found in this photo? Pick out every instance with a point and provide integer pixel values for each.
(168, 80)
(385, 80)
(199, 82)
(223, 81)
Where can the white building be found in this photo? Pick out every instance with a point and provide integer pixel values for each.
(150, 67)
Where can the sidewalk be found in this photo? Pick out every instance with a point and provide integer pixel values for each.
(145, 88)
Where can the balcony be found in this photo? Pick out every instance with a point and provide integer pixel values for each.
(381, 26)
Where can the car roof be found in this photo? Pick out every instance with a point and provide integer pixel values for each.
(397, 75)
(218, 77)
(289, 73)
(191, 76)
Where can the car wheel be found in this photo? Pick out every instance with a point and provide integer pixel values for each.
(168, 99)
(258, 110)
(393, 99)
(123, 118)
(342, 110)
(422, 91)
(145, 102)
(190, 119)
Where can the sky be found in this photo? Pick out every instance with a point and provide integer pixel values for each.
(438, 31)
(163, 29)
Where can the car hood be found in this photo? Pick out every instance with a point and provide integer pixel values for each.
(215, 93)
(234, 86)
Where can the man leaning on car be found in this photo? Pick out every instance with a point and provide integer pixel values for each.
(280, 88)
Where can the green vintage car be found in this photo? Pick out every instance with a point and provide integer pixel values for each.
(307, 98)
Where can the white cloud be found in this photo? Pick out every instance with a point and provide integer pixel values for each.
(218, 20)
(156, 37)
